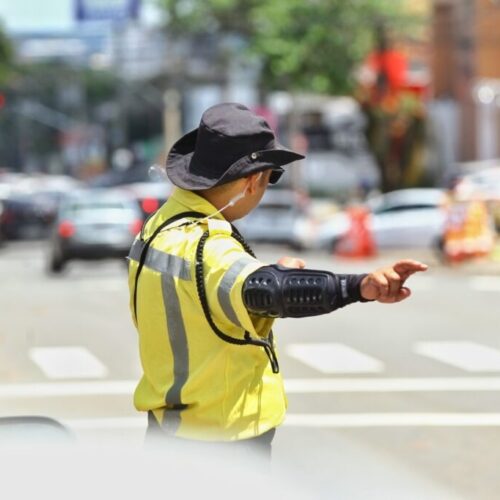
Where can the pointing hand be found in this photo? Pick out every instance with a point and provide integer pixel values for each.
(386, 285)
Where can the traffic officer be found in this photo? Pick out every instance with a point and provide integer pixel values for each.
(204, 305)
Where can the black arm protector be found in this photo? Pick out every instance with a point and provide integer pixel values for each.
(281, 292)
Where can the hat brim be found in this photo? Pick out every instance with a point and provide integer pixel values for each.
(182, 152)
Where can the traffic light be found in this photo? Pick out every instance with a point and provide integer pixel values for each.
(2, 100)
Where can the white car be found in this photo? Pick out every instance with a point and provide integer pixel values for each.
(402, 218)
(484, 185)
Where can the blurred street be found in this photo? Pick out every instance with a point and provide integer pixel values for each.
(393, 112)
(383, 403)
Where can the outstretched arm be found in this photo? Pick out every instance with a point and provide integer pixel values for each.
(279, 291)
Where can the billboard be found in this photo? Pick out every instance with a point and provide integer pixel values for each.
(106, 10)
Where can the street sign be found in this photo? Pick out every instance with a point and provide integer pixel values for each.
(106, 10)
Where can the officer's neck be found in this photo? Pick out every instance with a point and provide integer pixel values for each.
(221, 196)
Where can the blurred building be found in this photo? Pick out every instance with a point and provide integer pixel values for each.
(466, 77)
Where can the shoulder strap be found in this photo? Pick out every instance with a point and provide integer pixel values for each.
(266, 344)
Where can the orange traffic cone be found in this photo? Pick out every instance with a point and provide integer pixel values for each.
(358, 241)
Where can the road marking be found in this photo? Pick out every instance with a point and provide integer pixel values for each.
(67, 362)
(393, 420)
(321, 420)
(327, 385)
(468, 356)
(293, 386)
(102, 286)
(334, 358)
(67, 389)
(116, 423)
(485, 283)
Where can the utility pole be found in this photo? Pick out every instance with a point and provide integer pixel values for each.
(172, 126)
(466, 47)
(120, 132)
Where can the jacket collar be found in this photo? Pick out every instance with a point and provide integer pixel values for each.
(190, 201)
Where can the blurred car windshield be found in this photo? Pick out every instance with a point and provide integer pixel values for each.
(96, 205)
(480, 185)
(78, 206)
(407, 199)
(276, 206)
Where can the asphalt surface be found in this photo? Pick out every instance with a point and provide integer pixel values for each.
(385, 401)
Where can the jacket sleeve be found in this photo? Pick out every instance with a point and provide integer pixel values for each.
(280, 292)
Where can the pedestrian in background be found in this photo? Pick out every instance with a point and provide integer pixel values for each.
(204, 305)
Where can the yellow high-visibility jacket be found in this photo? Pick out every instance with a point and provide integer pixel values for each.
(197, 384)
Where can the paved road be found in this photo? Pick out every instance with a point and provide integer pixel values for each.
(397, 402)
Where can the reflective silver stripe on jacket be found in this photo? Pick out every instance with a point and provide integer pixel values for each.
(227, 283)
(170, 266)
(162, 262)
(180, 350)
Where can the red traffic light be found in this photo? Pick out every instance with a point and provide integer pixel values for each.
(2, 101)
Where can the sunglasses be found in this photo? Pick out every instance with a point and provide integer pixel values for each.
(276, 174)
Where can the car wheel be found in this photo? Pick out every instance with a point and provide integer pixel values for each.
(332, 246)
(57, 264)
(297, 246)
(438, 247)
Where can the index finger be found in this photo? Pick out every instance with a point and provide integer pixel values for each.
(409, 267)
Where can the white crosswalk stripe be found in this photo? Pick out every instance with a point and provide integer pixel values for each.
(343, 420)
(334, 358)
(67, 362)
(376, 384)
(293, 386)
(322, 420)
(67, 389)
(468, 356)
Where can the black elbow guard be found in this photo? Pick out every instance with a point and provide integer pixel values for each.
(281, 292)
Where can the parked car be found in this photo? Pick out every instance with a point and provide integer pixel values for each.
(30, 203)
(149, 195)
(25, 217)
(94, 224)
(281, 217)
(402, 218)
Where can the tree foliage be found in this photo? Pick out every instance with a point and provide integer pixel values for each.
(5, 56)
(309, 45)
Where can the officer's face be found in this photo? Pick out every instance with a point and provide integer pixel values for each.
(255, 186)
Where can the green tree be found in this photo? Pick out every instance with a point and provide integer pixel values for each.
(315, 46)
(311, 45)
(5, 56)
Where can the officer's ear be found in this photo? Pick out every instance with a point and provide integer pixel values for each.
(253, 182)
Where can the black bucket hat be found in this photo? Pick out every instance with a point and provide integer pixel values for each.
(231, 142)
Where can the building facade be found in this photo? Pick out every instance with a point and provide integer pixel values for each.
(466, 74)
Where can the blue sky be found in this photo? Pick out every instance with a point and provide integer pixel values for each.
(36, 15)
(44, 15)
